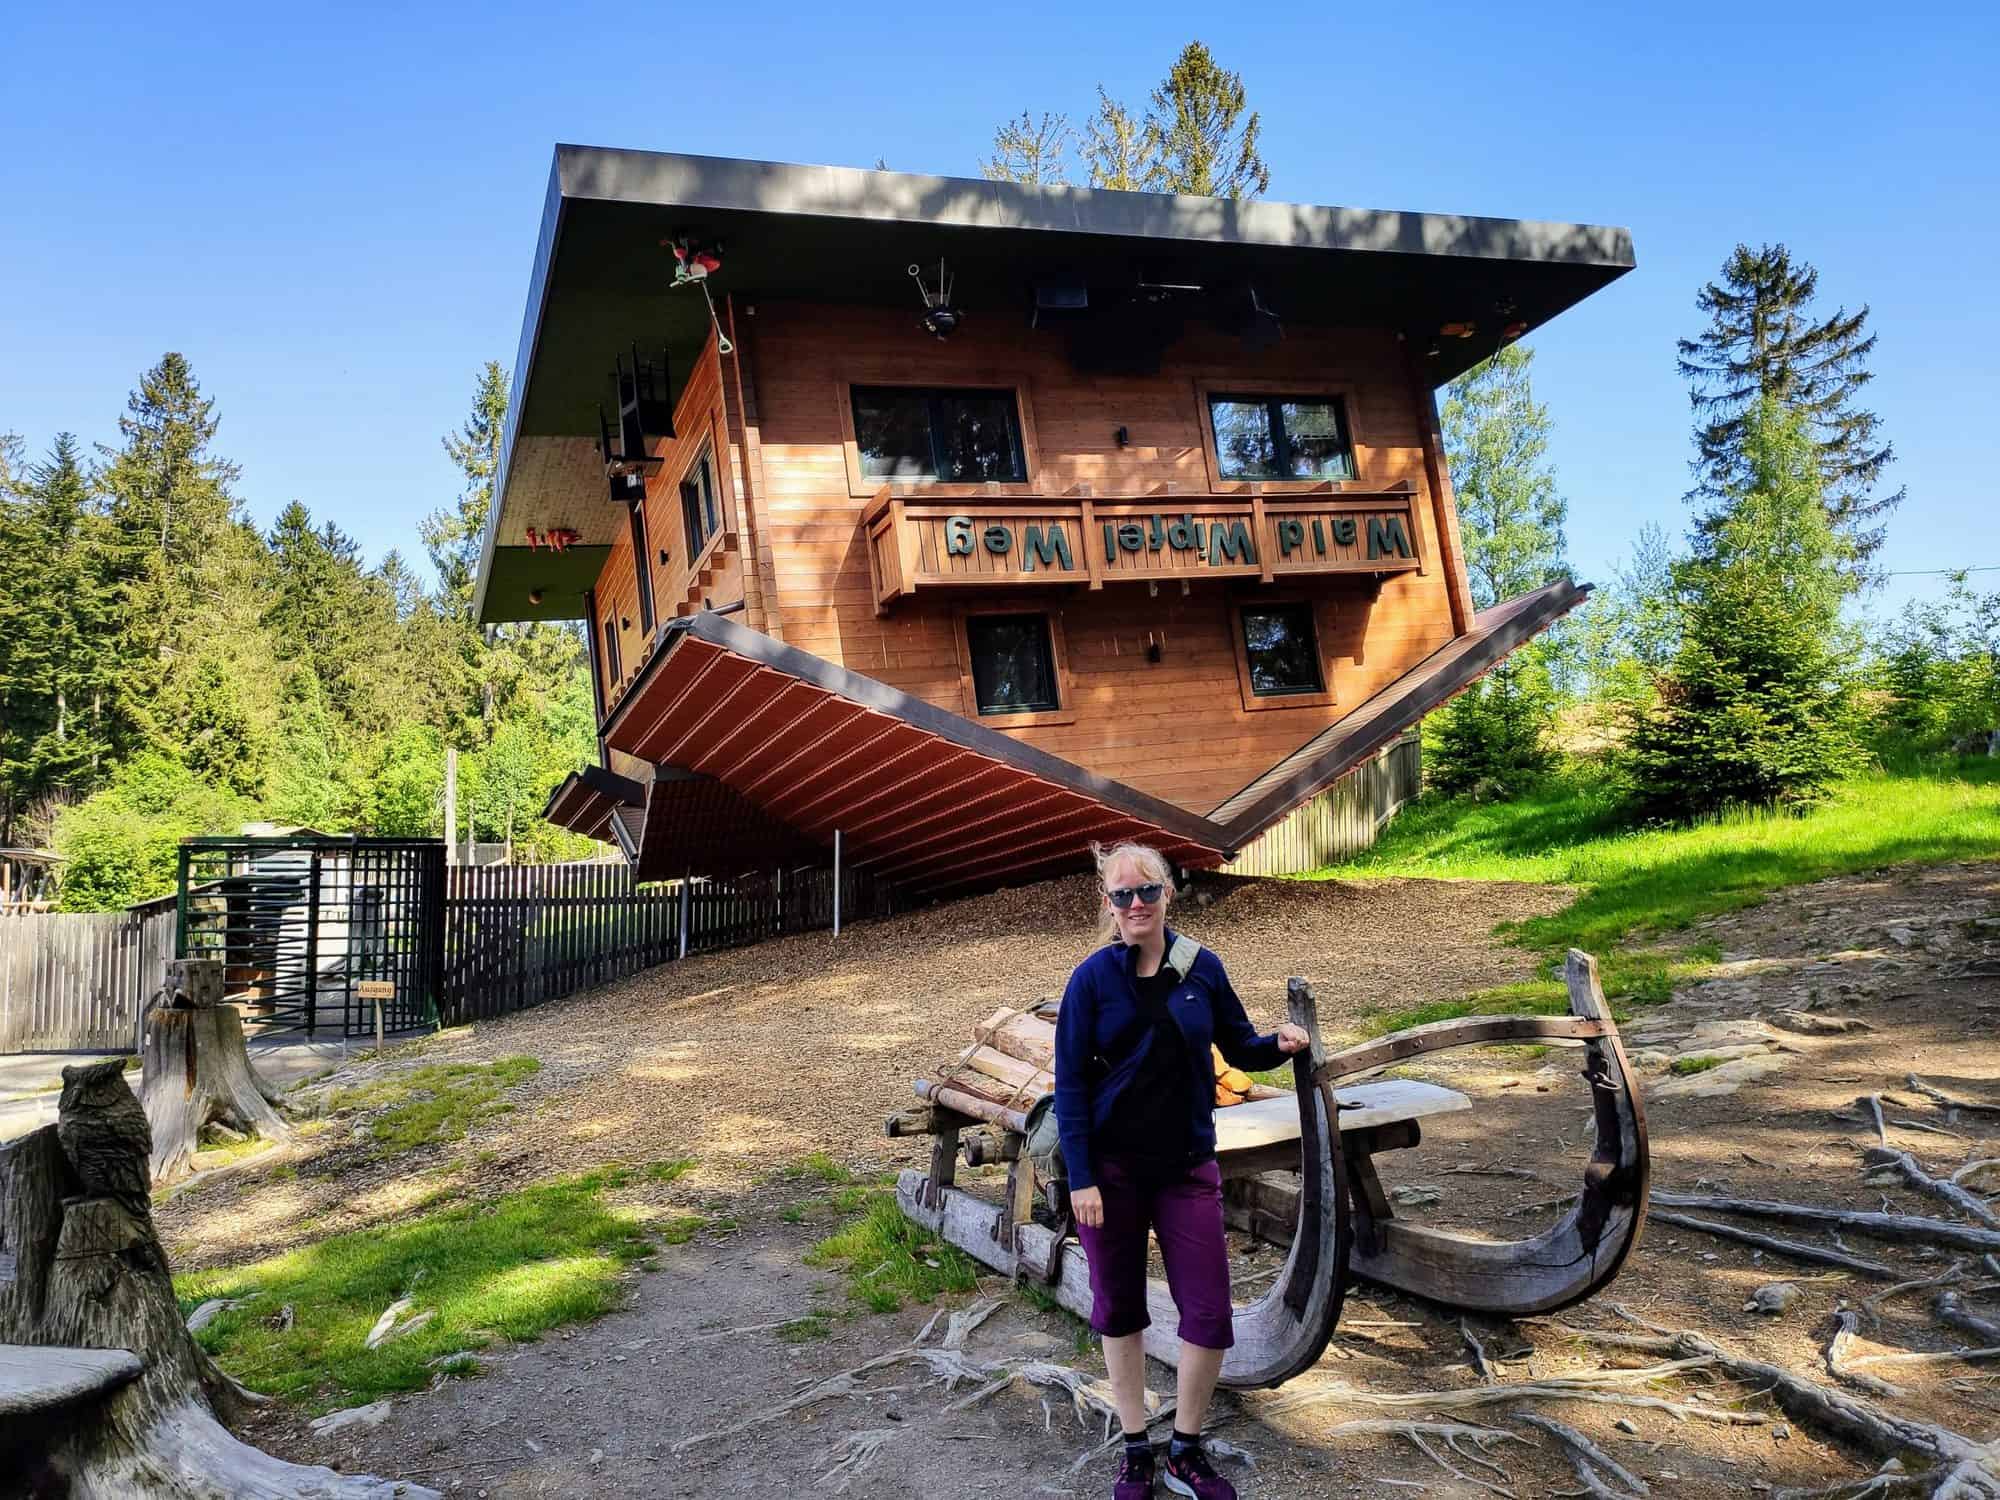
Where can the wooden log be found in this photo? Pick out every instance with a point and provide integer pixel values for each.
(964, 1102)
(1024, 1081)
(85, 1274)
(196, 1072)
(1019, 1034)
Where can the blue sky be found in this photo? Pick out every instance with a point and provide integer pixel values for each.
(331, 210)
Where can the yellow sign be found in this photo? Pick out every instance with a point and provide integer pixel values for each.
(375, 989)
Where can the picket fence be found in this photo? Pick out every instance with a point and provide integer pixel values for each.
(80, 981)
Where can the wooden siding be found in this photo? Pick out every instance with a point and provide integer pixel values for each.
(1178, 727)
(682, 583)
(1342, 820)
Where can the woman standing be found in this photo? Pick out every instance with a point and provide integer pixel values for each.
(1135, 1107)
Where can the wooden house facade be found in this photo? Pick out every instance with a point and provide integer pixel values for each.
(972, 522)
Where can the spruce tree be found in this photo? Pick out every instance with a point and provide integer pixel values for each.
(1764, 342)
(1758, 706)
(1207, 146)
(170, 537)
(1121, 150)
(1494, 737)
(453, 535)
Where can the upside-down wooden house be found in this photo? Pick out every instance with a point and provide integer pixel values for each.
(972, 522)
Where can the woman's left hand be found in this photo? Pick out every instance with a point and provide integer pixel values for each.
(1292, 1039)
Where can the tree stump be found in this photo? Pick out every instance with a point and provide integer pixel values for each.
(197, 1071)
(82, 1272)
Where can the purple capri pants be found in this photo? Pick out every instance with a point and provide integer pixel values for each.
(1185, 1214)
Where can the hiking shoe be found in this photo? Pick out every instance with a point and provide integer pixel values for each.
(1135, 1478)
(1192, 1474)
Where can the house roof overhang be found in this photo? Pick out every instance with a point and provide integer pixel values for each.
(601, 282)
(766, 750)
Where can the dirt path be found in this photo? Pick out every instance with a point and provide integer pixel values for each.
(1915, 956)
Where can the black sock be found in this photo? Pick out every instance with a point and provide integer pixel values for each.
(1183, 1443)
(1138, 1445)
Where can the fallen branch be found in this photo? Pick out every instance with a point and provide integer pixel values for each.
(1939, 1357)
(1478, 1350)
(1581, 1448)
(1972, 1105)
(1872, 1307)
(1907, 1167)
(1981, 1168)
(1901, 1228)
(1796, 1249)
(1951, 1309)
(1846, 1324)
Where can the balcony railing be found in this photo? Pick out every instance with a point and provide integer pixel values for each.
(1092, 541)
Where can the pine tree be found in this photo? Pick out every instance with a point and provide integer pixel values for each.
(171, 521)
(453, 536)
(1494, 736)
(1758, 707)
(1763, 343)
(1121, 150)
(1207, 147)
(1029, 150)
(305, 789)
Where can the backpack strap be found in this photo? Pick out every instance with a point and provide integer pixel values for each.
(1183, 954)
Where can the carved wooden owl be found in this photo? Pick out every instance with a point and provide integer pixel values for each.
(105, 1135)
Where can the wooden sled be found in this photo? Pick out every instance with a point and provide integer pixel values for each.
(1300, 1169)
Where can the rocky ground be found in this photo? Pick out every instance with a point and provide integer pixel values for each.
(1881, 986)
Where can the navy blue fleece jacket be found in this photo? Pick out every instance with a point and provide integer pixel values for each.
(1101, 1012)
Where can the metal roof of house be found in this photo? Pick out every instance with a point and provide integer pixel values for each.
(601, 280)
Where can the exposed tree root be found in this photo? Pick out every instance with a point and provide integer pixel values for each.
(1601, 1386)
(1907, 1229)
(1796, 1249)
(1585, 1456)
(1907, 1167)
(1846, 1324)
(1970, 1106)
(1872, 1307)
(1951, 1309)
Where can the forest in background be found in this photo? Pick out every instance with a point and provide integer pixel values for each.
(168, 668)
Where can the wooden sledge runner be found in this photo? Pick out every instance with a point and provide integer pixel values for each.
(1340, 1223)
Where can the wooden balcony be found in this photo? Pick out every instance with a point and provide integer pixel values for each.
(1078, 538)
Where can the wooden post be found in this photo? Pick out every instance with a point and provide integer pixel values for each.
(451, 804)
(687, 907)
(836, 882)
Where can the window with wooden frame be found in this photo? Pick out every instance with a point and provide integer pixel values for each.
(937, 435)
(1013, 666)
(1280, 662)
(642, 568)
(614, 673)
(701, 511)
(1280, 437)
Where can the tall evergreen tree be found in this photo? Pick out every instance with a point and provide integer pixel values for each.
(453, 535)
(1207, 146)
(171, 515)
(1495, 736)
(1764, 342)
(1758, 707)
(1029, 150)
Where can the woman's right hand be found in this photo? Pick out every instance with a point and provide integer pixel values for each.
(1088, 1205)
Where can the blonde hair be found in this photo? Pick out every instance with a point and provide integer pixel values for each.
(1152, 864)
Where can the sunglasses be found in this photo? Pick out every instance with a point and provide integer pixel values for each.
(1146, 894)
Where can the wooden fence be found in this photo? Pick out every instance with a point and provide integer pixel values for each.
(1342, 820)
(522, 935)
(80, 981)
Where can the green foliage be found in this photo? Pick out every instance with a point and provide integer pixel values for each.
(503, 1269)
(1197, 136)
(1938, 664)
(305, 790)
(121, 843)
(1684, 1067)
(1758, 708)
(452, 535)
(1623, 640)
(1494, 738)
(1762, 345)
(406, 791)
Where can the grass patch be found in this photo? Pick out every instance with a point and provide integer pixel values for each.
(667, 1171)
(818, 1165)
(505, 1268)
(436, 1103)
(1682, 1067)
(804, 1330)
(1635, 881)
(682, 1227)
(887, 1258)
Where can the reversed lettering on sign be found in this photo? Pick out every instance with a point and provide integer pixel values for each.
(958, 536)
(1387, 537)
